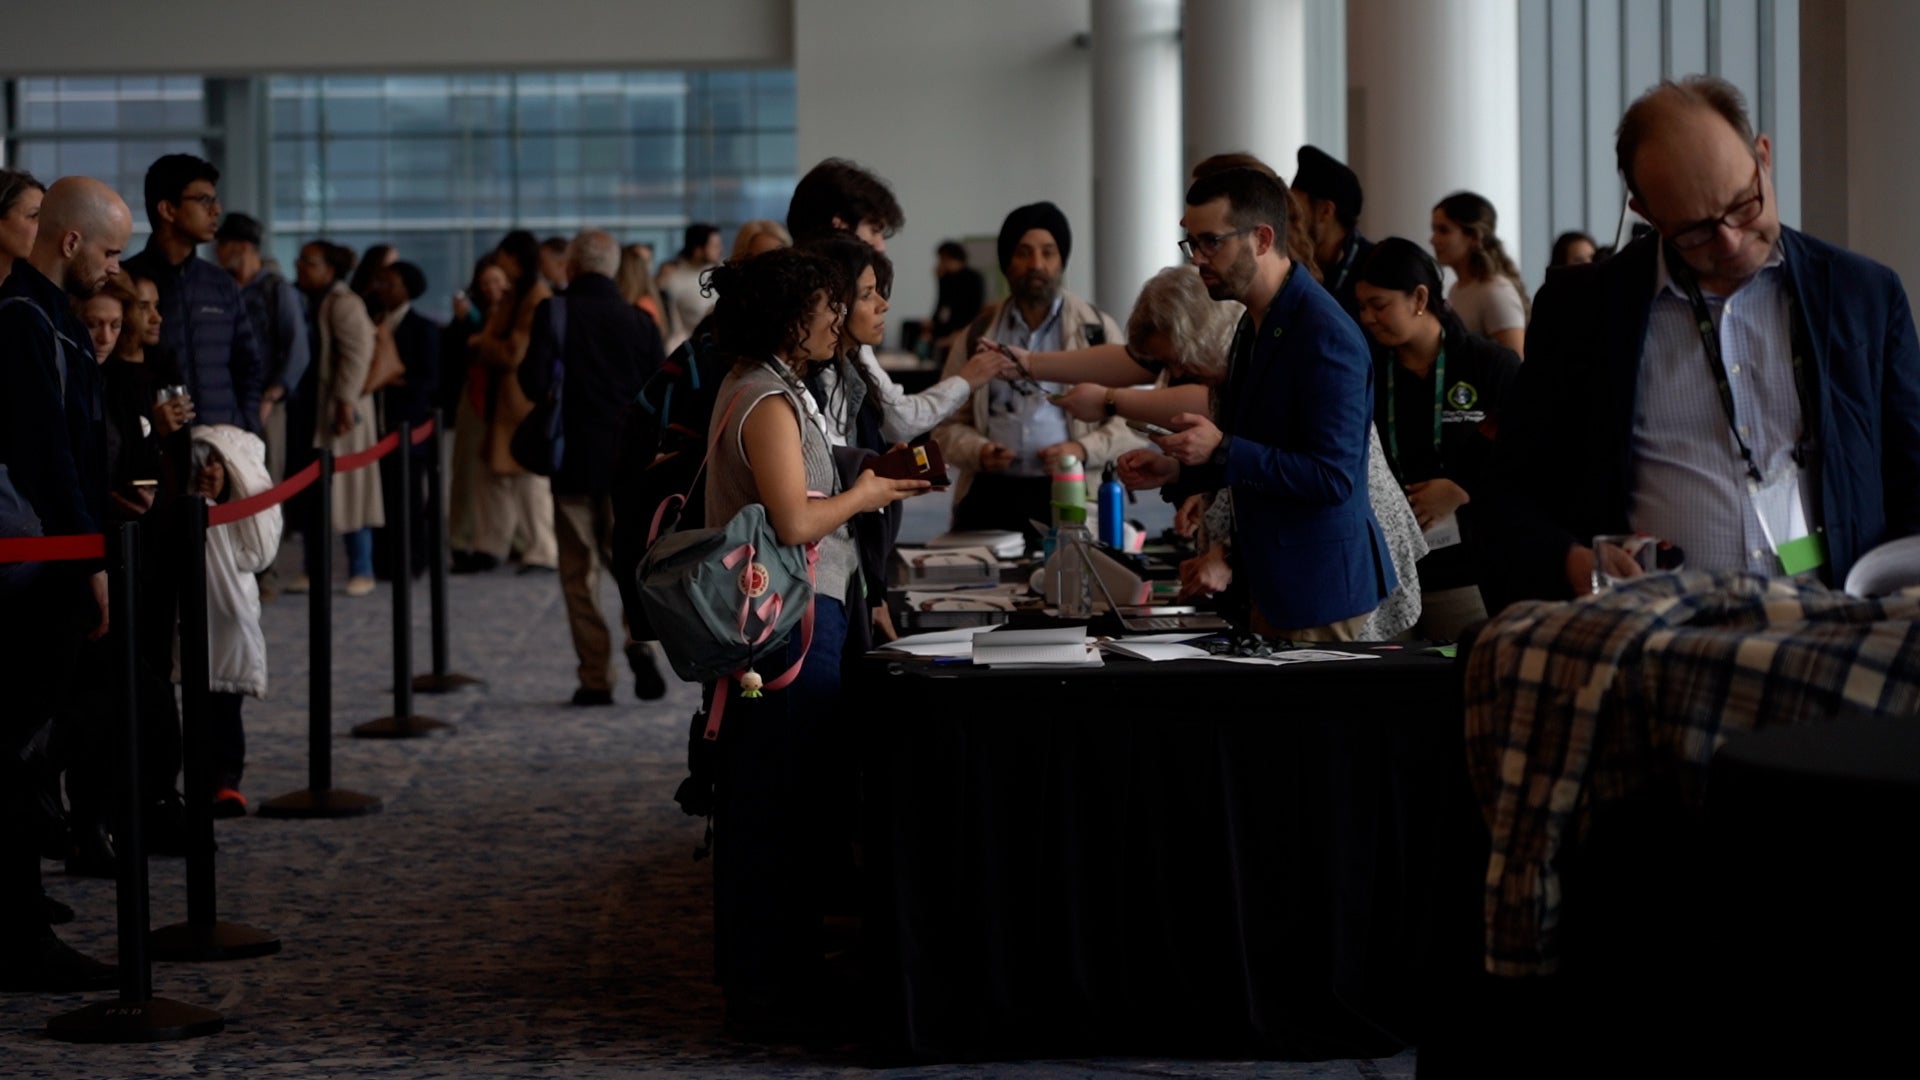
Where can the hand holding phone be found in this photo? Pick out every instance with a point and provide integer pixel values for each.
(1145, 428)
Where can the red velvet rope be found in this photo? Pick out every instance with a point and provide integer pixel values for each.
(94, 545)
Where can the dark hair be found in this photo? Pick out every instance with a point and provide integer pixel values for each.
(695, 240)
(1399, 264)
(838, 188)
(1563, 244)
(167, 181)
(1646, 113)
(338, 257)
(1476, 217)
(13, 184)
(852, 257)
(951, 249)
(524, 249)
(555, 244)
(372, 262)
(1298, 245)
(764, 301)
(412, 278)
(1254, 198)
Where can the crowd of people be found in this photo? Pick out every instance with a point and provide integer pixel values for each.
(1347, 427)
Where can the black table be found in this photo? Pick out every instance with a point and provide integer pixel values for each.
(1187, 856)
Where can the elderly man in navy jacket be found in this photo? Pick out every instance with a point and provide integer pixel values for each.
(1292, 437)
(1731, 386)
(203, 319)
(607, 349)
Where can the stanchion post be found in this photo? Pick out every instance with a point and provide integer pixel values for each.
(203, 936)
(402, 724)
(320, 799)
(440, 680)
(136, 1015)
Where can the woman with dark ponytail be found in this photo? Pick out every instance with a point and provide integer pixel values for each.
(1439, 391)
(1488, 294)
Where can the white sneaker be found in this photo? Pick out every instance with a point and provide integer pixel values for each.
(360, 586)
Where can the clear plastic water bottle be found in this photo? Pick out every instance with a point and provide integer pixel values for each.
(1072, 566)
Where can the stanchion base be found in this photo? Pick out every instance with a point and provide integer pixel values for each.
(118, 1021)
(444, 684)
(186, 943)
(332, 803)
(397, 727)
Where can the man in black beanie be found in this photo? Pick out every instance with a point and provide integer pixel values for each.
(1007, 443)
(1334, 200)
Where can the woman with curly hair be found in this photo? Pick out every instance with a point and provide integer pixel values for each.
(1487, 292)
(783, 793)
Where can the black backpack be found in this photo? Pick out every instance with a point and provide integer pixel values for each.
(663, 439)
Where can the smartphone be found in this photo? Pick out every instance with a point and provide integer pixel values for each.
(146, 483)
(1145, 428)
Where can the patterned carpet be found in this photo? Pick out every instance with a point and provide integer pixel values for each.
(524, 906)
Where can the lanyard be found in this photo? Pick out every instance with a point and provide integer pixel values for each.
(1393, 405)
(1710, 342)
(1346, 262)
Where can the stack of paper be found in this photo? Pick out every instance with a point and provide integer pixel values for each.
(953, 566)
(1002, 542)
(1061, 646)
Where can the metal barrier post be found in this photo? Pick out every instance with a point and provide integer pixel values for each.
(440, 680)
(136, 1015)
(402, 724)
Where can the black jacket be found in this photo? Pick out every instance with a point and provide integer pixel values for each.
(612, 348)
(418, 339)
(1564, 463)
(50, 433)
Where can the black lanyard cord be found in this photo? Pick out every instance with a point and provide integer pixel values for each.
(1710, 342)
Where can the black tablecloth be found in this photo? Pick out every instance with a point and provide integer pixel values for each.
(1193, 856)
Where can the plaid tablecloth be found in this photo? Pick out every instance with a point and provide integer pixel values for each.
(1573, 705)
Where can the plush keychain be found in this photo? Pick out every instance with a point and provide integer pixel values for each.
(750, 684)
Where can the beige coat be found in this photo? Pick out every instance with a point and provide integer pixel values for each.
(346, 352)
(502, 346)
(962, 437)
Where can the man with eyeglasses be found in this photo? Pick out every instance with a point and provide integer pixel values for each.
(1731, 386)
(203, 317)
(1294, 425)
(1007, 442)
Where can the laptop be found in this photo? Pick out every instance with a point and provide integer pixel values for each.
(1154, 624)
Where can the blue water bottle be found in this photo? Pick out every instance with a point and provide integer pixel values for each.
(1113, 500)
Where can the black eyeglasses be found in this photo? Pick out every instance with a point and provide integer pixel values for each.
(207, 202)
(1739, 215)
(1208, 243)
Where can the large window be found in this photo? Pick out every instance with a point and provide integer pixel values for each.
(108, 128)
(443, 165)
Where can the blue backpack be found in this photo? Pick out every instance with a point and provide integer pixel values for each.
(719, 599)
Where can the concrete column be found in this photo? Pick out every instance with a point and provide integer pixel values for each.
(1434, 108)
(1137, 171)
(1245, 78)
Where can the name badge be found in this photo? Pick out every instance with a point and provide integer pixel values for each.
(1783, 520)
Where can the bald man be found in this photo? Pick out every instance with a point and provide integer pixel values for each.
(610, 349)
(1732, 386)
(51, 447)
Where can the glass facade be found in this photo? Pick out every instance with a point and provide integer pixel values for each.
(441, 166)
(109, 128)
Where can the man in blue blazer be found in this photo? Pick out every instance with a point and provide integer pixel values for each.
(1292, 436)
(1626, 420)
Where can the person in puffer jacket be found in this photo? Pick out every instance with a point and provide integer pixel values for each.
(231, 464)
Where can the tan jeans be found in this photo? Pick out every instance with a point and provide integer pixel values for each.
(1344, 630)
(583, 528)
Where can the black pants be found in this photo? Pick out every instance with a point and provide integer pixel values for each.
(228, 737)
(386, 540)
(40, 636)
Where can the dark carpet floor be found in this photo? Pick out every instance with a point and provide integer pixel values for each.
(526, 904)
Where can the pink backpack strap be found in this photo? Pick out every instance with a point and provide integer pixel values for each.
(786, 677)
(713, 440)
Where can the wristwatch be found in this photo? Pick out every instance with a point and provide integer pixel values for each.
(1112, 409)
